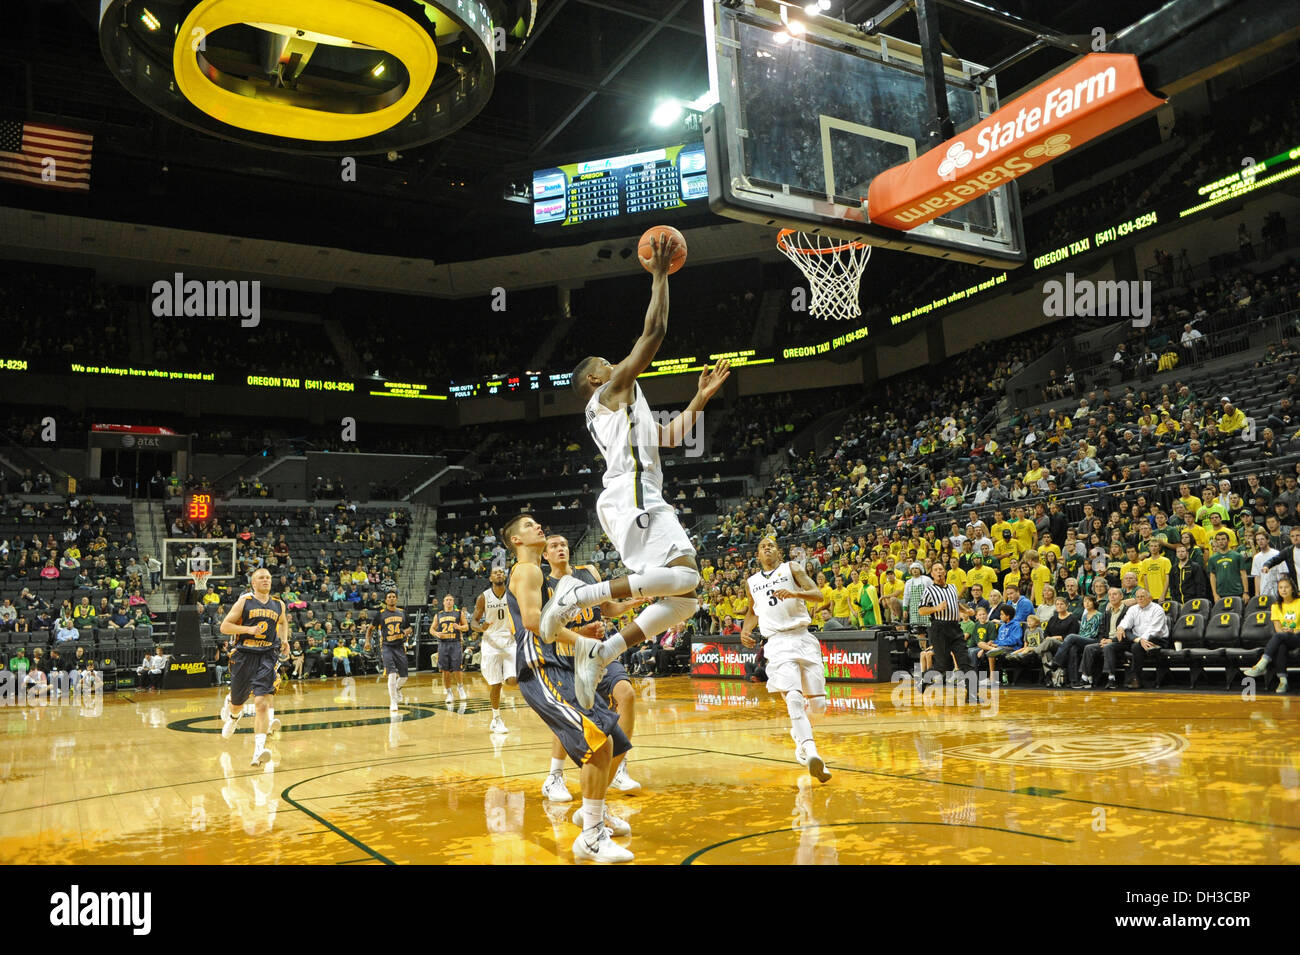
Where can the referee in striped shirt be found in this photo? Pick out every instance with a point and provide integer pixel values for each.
(945, 611)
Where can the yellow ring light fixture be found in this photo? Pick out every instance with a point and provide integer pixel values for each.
(331, 77)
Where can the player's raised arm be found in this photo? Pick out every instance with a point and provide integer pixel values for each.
(711, 379)
(656, 317)
(231, 626)
(807, 589)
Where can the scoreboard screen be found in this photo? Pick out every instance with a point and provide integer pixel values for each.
(651, 181)
(198, 507)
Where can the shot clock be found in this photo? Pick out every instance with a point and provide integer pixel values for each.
(198, 507)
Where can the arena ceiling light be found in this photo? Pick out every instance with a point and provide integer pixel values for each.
(334, 77)
(666, 113)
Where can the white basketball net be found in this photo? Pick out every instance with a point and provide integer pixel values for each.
(833, 268)
(199, 569)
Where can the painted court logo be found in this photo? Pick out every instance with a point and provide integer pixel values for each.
(76, 908)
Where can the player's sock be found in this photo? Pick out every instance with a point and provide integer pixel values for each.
(655, 619)
(392, 687)
(593, 816)
(496, 714)
(612, 648)
(798, 707)
(270, 715)
(259, 742)
(588, 595)
(557, 766)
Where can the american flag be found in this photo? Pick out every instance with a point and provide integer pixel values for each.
(26, 147)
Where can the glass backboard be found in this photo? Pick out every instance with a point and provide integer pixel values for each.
(802, 126)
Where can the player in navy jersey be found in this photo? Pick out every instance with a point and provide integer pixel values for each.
(591, 736)
(448, 625)
(615, 687)
(392, 628)
(259, 623)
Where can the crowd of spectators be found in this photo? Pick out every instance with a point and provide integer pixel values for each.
(760, 424)
(340, 554)
(1208, 318)
(272, 347)
(61, 315)
(69, 566)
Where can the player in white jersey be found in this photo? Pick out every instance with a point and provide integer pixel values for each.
(632, 510)
(794, 656)
(492, 619)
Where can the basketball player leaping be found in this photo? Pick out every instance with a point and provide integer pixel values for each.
(492, 619)
(393, 628)
(794, 656)
(615, 688)
(259, 623)
(591, 735)
(632, 511)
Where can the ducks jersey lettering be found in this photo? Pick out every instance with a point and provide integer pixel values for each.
(500, 632)
(777, 616)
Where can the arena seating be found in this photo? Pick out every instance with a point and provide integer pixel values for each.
(33, 533)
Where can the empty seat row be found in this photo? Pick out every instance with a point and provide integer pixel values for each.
(1206, 607)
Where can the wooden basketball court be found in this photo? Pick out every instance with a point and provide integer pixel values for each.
(1050, 777)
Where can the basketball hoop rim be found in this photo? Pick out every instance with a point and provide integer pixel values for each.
(843, 247)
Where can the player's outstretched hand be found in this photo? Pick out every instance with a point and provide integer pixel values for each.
(711, 379)
(661, 255)
(595, 630)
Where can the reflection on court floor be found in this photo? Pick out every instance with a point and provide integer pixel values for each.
(1047, 776)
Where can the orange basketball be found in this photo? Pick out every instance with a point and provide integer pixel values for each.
(644, 250)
